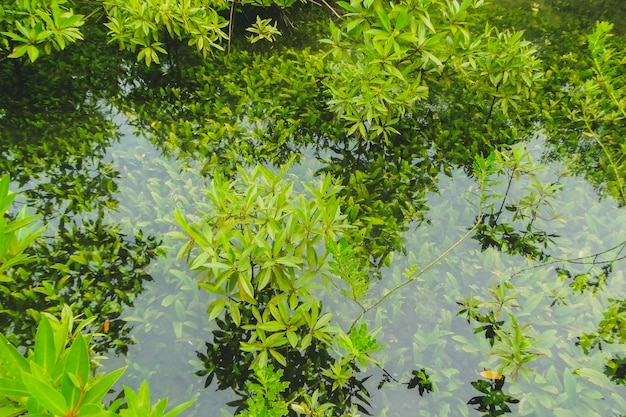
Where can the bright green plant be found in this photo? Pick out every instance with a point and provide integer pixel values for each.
(146, 25)
(261, 234)
(515, 349)
(388, 57)
(489, 324)
(610, 330)
(265, 394)
(33, 27)
(596, 110)
(55, 377)
(15, 235)
(262, 248)
(263, 29)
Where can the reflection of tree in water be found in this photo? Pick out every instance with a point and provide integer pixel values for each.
(226, 365)
(494, 402)
(55, 133)
(225, 362)
(90, 266)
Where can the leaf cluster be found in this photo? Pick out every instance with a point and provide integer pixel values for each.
(54, 379)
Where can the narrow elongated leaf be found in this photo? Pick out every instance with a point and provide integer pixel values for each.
(216, 307)
(279, 357)
(77, 365)
(12, 388)
(11, 357)
(96, 393)
(272, 326)
(45, 351)
(138, 403)
(46, 395)
(12, 411)
(179, 408)
(233, 307)
(131, 400)
(19, 223)
(246, 292)
(159, 408)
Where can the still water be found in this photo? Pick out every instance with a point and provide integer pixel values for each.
(420, 326)
(100, 169)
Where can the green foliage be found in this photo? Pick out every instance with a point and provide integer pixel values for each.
(138, 404)
(262, 29)
(240, 108)
(519, 235)
(600, 107)
(388, 57)
(421, 380)
(494, 401)
(33, 27)
(611, 329)
(262, 249)
(515, 349)
(55, 378)
(145, 25)
(359, 344)
(467, 89)
(488, 322)
(265, 395)
(16, 234)
(311, 406)
(347, 266)
(91, 267)
(261, 234)
(591, 93)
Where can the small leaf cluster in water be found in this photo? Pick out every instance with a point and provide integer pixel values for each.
(494, 402)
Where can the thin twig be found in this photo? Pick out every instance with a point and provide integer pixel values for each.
(580, 260)
(417, 274)
(328, 6)
(231, 23)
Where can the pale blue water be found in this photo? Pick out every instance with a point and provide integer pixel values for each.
(419, 324)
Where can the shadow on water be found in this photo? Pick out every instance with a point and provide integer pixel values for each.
(55, 133)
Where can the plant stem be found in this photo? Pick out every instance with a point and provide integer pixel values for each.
(415, 275)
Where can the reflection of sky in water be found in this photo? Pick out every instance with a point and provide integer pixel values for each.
(419, 324)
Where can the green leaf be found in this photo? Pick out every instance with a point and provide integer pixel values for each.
(13, 411)
(86, 410)
(138, 403)
(77, 365)
(12, 388)
(33, 52)
(292, 261)
(15, 363)
(44, 350)
(233, 308)
(246, 292)
(216, 307)
(384, 19)
(272, 326)
(98, 390)
(46, 395)
(279, 357)
(292, 337)
(179, 408)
